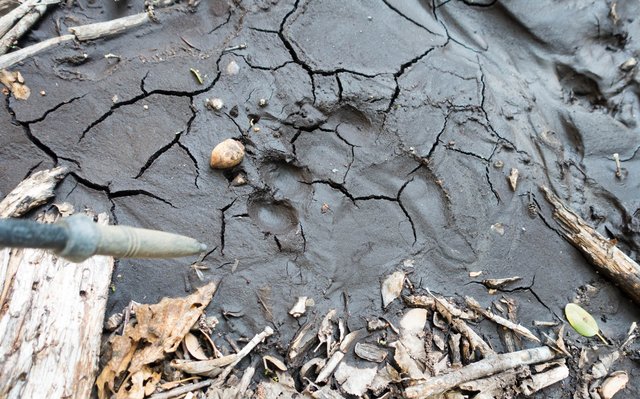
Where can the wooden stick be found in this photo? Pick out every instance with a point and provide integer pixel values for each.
(473, 304)
(449, 312)
(483, 368)
(23, 26)
(182, 390)
(14, 57)
(82, 33)
(32, 192)
(602, 253)
(113, 27)
(268, 331)
(542, 380)
(13, 16)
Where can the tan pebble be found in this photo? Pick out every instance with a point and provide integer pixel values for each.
(227, 154)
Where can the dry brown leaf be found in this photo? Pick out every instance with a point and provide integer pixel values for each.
(614, 383)
(143, 383)
(158, 329)
(193, 346)
(354, 380)
(15, 83)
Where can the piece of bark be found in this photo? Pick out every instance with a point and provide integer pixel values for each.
(539, 381)
(51, 322)
(481, 369)
(601, 252)
(31, 192)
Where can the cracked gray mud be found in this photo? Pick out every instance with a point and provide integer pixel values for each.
(385, 126)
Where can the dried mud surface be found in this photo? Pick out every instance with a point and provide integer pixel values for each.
(385, 124)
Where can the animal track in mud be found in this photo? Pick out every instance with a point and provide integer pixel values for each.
(273, 216)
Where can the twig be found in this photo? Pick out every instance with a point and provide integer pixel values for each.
(31, 192)
(540, 381)
(10, 19)
(244, 352)
(602, 253)
(6, 60)
(483, 368)
(181, 390)
(473, 304)
(246, 379)
(22, 27)
(82, 33)
(108, 28)
(449, 312)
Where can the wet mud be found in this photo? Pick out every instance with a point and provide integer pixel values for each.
(389, 131)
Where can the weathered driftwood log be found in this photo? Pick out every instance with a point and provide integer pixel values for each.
(51, 314)
(483, 368)
(600, 251)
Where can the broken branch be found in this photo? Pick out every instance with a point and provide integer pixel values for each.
(22, 27)
(601, 252)
(81, 33)
(483, 368)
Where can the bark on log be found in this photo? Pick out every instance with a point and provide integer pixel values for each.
(51, 319)
(51, 311)
(601, 252)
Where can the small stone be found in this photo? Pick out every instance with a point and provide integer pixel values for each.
(215, 104)
(43, 93)
(233, 68)
(263, 102)
(227, 154)
(239, 180)
(256, 129)
(629, 64)
(146, 107)
(114, 99)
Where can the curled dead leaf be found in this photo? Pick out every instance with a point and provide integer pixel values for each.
(192, 344)
(613, 384)
(273, 361)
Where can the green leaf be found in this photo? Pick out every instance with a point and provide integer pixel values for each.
(581, 320)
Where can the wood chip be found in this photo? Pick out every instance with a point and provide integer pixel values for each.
(513, 178)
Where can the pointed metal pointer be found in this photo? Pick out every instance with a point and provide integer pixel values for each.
(78, 237)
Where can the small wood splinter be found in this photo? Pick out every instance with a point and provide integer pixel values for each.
(616, 158)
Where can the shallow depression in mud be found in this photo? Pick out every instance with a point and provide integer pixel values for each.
(273, 216)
